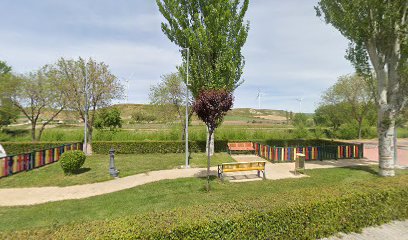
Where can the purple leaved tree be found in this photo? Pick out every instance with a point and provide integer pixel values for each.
(211, 107)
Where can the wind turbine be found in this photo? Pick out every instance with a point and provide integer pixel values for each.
(300, 104)
(127, 86)
(259, 98)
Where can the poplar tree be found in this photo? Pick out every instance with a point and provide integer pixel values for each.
(215, 32)
(378, 33)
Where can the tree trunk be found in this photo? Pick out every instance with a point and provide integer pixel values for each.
(40, 133)
(360, 122)
(89, 140)
(33, 134)
(210, 139)
(386, 126)
(208, 159)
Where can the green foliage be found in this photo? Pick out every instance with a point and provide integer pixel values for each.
(40, 97)
(140, 117)
(349, 101)
(155, 147)
(4, 68)
(108, 118)
(214, 32)
(72, 161)
(95, 78)
(8, 112)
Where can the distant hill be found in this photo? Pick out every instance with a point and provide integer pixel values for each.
(235, 115)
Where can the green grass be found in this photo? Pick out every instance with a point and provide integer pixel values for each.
(188, 194)
(402, 132)
(96, 169)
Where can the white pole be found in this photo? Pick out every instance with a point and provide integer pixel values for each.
(300, 104)
(259, 100)
(186, 134)
(85, 148)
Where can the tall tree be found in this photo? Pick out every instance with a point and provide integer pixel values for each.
(170, 96)
(39, 97)
(80, 76)
(353, 93)
(377, 31)
(8, 112)
(215, 32)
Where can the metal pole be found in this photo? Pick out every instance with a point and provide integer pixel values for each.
(86, 112)
(187, 154)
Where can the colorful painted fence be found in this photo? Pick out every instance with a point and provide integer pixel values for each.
(288, 154)
(28, 161)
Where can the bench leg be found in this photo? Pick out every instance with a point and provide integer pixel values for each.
(264, 177)
(259, 173)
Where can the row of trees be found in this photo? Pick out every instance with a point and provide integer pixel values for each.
(43, 94)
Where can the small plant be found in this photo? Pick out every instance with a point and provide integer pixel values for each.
(72, 161)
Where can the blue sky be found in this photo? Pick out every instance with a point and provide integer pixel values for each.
(290, 53)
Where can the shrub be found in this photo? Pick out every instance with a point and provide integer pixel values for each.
(72, 161)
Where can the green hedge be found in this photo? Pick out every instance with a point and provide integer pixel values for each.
(140, 147)
(155, 147)
(312, 217)
(13, 148)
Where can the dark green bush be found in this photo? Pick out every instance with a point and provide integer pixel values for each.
(72, 161)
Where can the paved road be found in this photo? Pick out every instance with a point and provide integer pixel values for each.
(397, 230)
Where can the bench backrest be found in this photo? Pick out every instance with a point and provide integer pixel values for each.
(237, 165)
(241, 144)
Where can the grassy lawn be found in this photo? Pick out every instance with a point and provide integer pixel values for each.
(96, 169)
(188, 195)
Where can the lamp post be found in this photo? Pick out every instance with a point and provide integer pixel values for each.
(186, 128)
(86, 112)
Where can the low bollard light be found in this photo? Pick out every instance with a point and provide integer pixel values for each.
(112, 170)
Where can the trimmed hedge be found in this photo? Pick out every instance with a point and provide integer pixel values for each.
(140, 147)
(155, 147)
(13, 148)
(317, 215)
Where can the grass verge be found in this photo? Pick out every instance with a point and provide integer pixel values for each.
(96, 169)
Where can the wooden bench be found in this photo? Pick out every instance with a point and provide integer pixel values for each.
(242, 166)
(240, 146)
